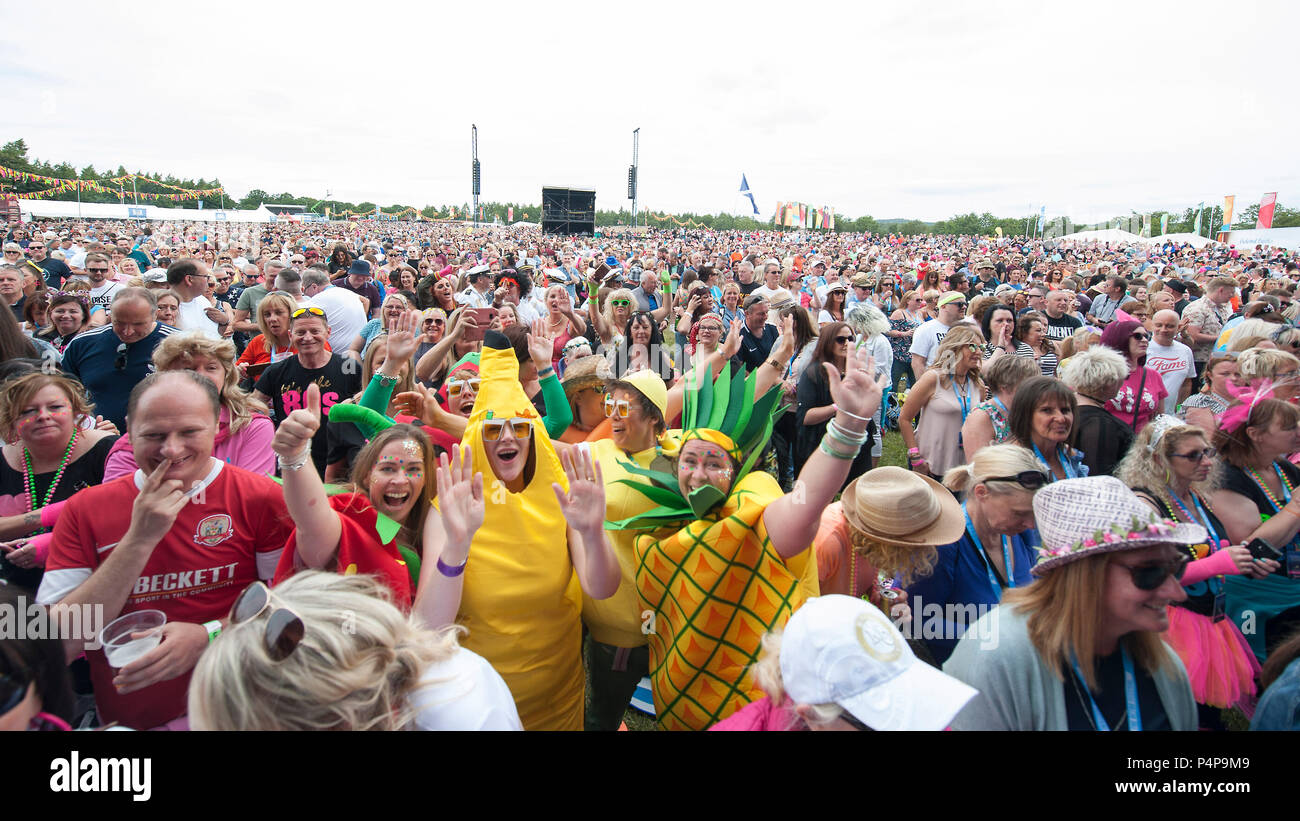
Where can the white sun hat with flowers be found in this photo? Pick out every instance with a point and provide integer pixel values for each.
(1099, 514)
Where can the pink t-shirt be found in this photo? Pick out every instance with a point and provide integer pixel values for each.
(249, 449)
(1153, 397)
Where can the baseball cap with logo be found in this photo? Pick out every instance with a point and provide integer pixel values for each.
(843, 650)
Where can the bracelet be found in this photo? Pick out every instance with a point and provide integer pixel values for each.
(302, 459)
(385, 381)
(829, 451)
(545, 372)
(451, 571)
(844, 433)
(844, 440)
(214, 629)
(838, 409)
(914, 451)
(775, 364)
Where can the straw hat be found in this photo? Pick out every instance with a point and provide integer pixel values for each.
(1099, 514)
(588, 372)
(895, 506)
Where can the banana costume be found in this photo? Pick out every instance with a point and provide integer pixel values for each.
(709, 572)
(521, 600)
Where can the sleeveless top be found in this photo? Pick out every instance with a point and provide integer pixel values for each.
(1001, 425)
(938, 434)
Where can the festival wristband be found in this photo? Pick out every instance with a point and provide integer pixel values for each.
(849, 414)
(451, 571)
(830, 451)
(214, 629)
(297, 463)
(545, 372)
(913, 451)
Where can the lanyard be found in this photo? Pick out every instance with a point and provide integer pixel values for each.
(988, 565)
(963, 401)
(1005, 413)
(1065, 463)
(1130, 696)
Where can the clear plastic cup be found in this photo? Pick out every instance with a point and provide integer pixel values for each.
(119, 637)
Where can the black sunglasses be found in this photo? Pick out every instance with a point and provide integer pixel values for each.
(1027, 479)
(1149, 577)
(284, 629)
(120, 362)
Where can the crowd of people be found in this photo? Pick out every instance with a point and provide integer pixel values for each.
(535, 471)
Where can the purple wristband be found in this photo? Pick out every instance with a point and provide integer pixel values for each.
(449, 571)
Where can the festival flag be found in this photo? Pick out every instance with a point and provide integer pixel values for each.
(1042, 217)
(1164, 224)
(999, 231)
(1266, 206)
(1228, 203)
(832, 226)
(510, 214)
(1196, 226)
(744, 189)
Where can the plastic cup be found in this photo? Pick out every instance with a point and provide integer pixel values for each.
(122, 646)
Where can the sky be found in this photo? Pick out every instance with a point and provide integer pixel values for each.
(889, 109)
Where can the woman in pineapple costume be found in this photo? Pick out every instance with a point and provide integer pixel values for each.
(510, 549)
(723, 561)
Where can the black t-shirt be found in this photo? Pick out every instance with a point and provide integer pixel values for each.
(1236, 480)
(746, 290)
(1062, 327)
(1111, 700)
(86, 472)
(287, 380)
(1101, 437)
(55, 272)
(754, 350)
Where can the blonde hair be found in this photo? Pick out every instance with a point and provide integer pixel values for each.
(991, 462)
(608, 308)
(950, 351)
(356, 668)
(766, 674)
(1081, 340)
(178, 352)
(270, 301)
(1147, 467)
(1248, 333)
(1264, 363)
(16, 393)
(405, 382)
(1064, 610)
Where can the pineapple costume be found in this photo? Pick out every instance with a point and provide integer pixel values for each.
(708, 571)
(521, 599)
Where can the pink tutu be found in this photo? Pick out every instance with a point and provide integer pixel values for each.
(1219, 662)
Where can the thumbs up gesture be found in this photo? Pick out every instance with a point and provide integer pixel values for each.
(296, 431)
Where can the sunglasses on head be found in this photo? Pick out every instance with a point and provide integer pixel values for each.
(455, 386)
(492, 428)
(284, 628)
(1027, 479)
(310, 309)
(119, 363)
(1150, 576)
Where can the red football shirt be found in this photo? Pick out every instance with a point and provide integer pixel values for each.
(230, 535)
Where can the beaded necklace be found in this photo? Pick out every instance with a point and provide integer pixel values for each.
(1286, 486)
(29, 475)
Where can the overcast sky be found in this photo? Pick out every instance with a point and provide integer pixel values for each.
(890, 109)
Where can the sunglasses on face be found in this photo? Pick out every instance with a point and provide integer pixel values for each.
(1027, 479)
(492, 428)
(310, 309)
(1197, 455)
(842, 340)
(1150, 576)
(1141, 337)
(617, 406)
(620, 303)
(284, 629)
(455, 386)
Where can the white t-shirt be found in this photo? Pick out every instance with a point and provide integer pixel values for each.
(344, 314)
(773, 296)
(464, 693)
(193, 318)
(103, 295)
(1174, 364)
(926, 339)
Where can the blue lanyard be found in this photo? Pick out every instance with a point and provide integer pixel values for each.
(1065, 463)
(988, 565)
(963, 401)
(1281, 480)
(1130, 696)
(1005, 413)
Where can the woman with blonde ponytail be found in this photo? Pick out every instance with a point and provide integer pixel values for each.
(994, 554)
(324, 651)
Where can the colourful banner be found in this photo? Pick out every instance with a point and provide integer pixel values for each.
(1266, 206)
(1164, 224)
(510, 214)
(1228, 203)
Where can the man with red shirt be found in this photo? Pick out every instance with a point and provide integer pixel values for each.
(185, 534)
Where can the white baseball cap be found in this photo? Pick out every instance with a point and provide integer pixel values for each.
(843, 650)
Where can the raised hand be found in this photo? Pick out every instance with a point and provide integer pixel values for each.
(295, 433)
(541, 344)
(731, 345)
(584, 504)
(859, 392)
(403, 339)
(460, 502)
